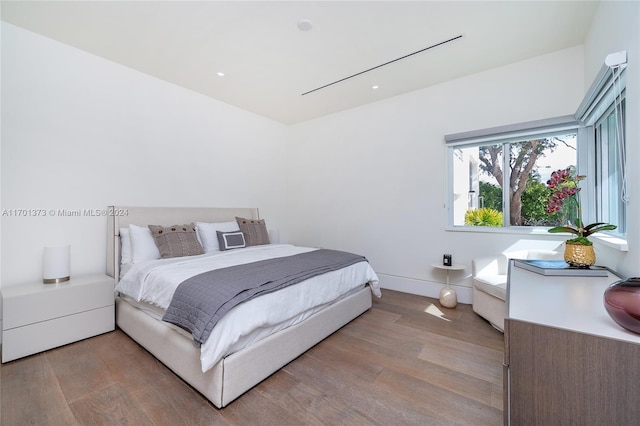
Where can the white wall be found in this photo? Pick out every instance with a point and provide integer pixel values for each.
(80, 132)
(373, 179)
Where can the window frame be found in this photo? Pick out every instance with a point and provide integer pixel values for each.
(505, 136)
(591, 115)
(599, 100)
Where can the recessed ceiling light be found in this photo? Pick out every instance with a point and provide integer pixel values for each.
(220, 74)
(375, 86)
(305, 25)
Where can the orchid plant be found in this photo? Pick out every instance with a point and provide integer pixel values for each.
(564, 185)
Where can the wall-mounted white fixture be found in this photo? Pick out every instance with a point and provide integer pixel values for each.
(56, 264)
(615, 59)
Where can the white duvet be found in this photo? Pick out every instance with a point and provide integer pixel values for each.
(155, 282)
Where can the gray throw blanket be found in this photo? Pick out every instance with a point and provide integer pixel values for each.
(200, 301)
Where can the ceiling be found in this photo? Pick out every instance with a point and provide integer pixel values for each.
(268, 62)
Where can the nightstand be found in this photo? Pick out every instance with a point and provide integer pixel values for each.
(37, 317)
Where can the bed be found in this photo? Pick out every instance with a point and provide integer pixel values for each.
(227, 375)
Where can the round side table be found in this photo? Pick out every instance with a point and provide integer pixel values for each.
(448, 296)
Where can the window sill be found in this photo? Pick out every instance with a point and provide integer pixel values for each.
(614, 242)
(515, 230)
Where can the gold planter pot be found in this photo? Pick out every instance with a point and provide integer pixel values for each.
(579, 255)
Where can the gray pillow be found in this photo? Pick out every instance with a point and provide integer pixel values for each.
(176, 240)
(254, 230)
(231, 240)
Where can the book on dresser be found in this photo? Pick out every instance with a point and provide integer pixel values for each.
(560, 268)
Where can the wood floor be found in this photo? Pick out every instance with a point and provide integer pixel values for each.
(407, 361)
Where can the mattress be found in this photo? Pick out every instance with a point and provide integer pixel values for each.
(149, 287)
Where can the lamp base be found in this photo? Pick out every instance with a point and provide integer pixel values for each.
(55, 280)
(448, 297)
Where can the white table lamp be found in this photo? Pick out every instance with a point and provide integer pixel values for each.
(56, 264)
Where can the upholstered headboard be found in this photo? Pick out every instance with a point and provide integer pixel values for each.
(123, 216)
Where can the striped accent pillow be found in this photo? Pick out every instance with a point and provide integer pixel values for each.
(254, 230)
(176, 240)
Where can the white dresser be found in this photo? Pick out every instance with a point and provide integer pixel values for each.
(566, 361)
(37, 316)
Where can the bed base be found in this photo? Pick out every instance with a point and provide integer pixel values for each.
(240, 371)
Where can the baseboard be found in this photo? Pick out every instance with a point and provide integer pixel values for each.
(423, 287)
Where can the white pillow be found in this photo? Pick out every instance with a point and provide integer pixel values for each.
(208, 233)
(125, 246)
(143, 246)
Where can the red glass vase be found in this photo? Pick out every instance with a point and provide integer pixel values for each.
(622, 302)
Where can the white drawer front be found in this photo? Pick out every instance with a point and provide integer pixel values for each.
(22, 341)
(34, 304)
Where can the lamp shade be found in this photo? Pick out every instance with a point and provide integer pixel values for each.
(56, 263)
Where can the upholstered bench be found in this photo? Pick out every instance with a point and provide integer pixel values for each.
(490, 283)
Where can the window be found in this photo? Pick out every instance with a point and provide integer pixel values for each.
(605, 122)
(609, 194)
(498, 176)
